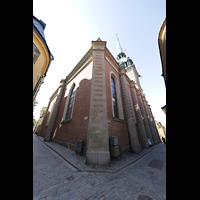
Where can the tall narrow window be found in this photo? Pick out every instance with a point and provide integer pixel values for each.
(114, 98)
(70, 104)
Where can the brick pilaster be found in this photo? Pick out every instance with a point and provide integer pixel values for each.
(144, 116)
(139, 117)
(98, 143)
(153, 138)
(154, 125)
(51, 123)
(135, 145)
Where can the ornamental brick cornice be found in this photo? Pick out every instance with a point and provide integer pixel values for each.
(85, 59)
(132, 84)
(109, 57)
(122, 71)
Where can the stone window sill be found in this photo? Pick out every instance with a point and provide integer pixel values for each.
(118, 120)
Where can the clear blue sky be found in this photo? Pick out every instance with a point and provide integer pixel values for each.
(71, 25)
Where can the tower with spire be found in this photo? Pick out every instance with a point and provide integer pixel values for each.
(124, 61)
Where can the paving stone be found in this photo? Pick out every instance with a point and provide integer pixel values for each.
(55, 177)
(156, 164)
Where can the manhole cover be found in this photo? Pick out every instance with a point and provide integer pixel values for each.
(144, 197)
(156, 164)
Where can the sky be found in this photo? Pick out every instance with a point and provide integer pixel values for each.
(72, 25)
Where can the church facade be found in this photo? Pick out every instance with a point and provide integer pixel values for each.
(101, 97)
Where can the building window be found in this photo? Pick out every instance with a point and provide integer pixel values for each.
(114, 98)
(70, 104)
(36, 53)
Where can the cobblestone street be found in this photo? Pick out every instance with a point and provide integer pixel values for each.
(54, 178)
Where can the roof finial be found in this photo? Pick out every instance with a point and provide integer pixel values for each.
(99, 39)
(119, 48)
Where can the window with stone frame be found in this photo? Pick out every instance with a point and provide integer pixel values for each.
(114, 98)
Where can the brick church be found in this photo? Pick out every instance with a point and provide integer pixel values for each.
(100, 97)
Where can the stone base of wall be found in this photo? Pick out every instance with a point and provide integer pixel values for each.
(126, 149)
(65, 144)
(98, 158)
(70, 146)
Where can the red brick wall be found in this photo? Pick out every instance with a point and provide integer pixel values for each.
(77, 129)
(115, 128)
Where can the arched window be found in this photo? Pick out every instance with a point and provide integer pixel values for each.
(114, 98)
(70, 104)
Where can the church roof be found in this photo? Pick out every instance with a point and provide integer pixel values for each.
(39, 25)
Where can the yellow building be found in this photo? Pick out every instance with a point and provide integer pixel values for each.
(161, 130)
(42, 56)
(162, 47)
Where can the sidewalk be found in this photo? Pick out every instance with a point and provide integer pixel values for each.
(79, 161)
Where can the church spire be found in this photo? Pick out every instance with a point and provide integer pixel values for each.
(119, 48)
(124, 61)
(121, 56)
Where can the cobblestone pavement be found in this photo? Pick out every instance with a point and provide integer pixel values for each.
(55, 179)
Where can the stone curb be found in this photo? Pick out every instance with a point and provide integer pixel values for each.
(98, 170)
